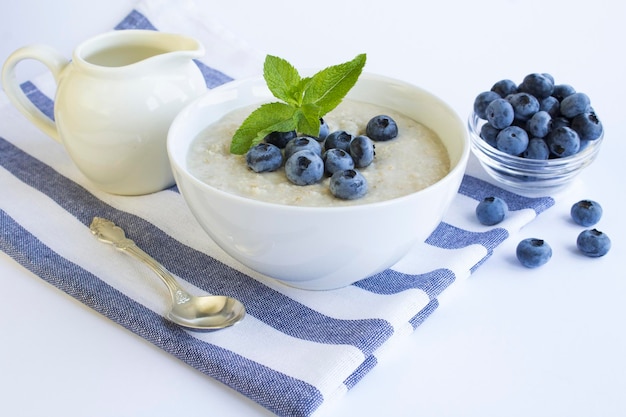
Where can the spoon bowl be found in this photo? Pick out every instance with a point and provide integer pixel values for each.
(209, 312)
(199, 313)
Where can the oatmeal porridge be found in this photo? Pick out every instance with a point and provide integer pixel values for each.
(412, 161)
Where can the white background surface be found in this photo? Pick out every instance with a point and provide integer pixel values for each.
(506, 342)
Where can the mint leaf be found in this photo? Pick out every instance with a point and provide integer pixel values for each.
(270, 117)
(304, 84)
(283, 80)
(304, 100)
(328, 87)
(308, 120)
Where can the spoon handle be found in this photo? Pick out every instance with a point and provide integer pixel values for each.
(108, 232)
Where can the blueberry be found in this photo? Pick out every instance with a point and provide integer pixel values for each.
(524, 105)
(586, 212)
(304, 167)
(280, 139)
(339, 139)
(499, 113)
(549, 120)
(491, 211)
(587, 125)
(336, 159)
(264, 157)
(381, 128)
(537, 85)
(482, 101)
(548, 76)
(504, 88)
(560, 122)
(512, 140)
(348, 184)
(550, 105)
(489, 134)
(537, 149)
(539, 124)
(575, 104)
(593, 243)
(362, 151)
(584, 144)
(301, 143)
(324, 130)
(563, 141)
(562, 90)
(533, 252)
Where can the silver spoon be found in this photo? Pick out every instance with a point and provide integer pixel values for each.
(209, 312)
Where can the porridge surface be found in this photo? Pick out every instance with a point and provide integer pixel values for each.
(410, 162)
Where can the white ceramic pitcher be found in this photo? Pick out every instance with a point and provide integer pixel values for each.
(114, 103)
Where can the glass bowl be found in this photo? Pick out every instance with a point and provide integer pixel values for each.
(529, 176)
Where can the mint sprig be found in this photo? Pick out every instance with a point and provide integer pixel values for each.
(303, 100)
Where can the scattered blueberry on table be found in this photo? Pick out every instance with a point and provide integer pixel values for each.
(491, 211)
(586, 212)
(593, 243)
(533, 253)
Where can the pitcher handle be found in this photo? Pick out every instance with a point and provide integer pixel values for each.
(54, 61)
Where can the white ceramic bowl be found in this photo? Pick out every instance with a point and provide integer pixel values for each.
(293, 244)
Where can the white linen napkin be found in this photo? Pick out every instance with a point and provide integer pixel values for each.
(296, 350)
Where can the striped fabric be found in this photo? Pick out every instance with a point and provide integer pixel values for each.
(296, 350)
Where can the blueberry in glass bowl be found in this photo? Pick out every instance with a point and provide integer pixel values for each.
(535, 137)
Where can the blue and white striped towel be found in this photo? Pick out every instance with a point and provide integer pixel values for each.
(296, 350)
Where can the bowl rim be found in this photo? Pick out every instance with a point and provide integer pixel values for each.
(189, 109)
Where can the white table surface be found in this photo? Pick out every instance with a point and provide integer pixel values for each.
(508, 341)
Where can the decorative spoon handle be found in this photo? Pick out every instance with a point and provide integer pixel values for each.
(108, 232)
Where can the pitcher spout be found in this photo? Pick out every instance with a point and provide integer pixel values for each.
(125, 48)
